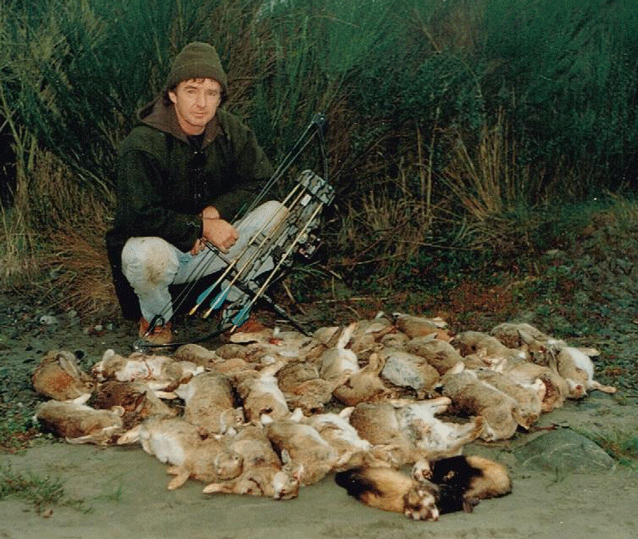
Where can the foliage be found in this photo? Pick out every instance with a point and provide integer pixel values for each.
(41, 492)
(622, 446)
(16, 429)
(452, 124)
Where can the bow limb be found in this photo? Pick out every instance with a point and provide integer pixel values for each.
(231, 264)
(240, 318)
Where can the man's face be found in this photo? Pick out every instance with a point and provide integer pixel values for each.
(196, 102)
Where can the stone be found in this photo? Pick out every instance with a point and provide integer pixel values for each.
(564, 451)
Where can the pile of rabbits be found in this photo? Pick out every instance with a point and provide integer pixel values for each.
(271, 411)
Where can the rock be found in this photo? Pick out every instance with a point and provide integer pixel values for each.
(564, 451)
(48, 320)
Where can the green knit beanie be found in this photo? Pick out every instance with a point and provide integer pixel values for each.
(197, 61)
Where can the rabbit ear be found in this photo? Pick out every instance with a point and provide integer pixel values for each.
(375, 363)
(298, 473)
(346, 412)
(346, 335)
(118, 410)
(68, 365)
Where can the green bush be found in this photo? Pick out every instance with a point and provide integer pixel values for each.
(462, 112)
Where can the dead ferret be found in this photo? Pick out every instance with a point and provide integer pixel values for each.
(443, 486)
(390, 490)
(463, 481)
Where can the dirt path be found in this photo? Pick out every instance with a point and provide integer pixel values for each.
(123, 490)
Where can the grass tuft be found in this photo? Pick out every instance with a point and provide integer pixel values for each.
(622, 446)
(40, 492)
(17, 429)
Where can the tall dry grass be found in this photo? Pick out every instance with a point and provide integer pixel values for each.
(18, 260)
(487, 183)
(60, 248)
(73, 222)
(79, 271)
(450, 122)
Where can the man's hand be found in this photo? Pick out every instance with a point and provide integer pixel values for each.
(220, 233)
(198, 246)
(210, 212)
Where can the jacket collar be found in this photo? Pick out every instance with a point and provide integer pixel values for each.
(160, 116)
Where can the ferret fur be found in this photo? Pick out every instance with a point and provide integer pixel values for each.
(390, 490)
(464, 480)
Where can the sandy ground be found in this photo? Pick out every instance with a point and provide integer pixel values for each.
(124, 495)
(541, 505)
(124, 491)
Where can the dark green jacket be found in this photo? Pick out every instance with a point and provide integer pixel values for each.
(164, 181)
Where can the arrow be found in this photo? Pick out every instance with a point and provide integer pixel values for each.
(281, 261)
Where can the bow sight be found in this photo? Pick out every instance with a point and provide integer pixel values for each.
(269, 250)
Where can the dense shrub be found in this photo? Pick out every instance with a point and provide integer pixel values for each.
(448, 119)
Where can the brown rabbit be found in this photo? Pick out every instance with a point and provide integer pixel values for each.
(364, 385)
(179, 444)
(302, 446)
(263, 473)
(59, 377)
(209, 403)
(80, 423)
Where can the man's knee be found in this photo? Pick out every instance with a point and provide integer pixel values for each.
(266, 216)
(149, 260)
(271, 210)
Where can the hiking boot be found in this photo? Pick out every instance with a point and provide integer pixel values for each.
(159, 335)
(252, 325)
